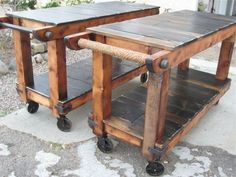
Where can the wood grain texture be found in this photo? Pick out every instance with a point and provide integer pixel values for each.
(24, 68)
(71, 41)
(226, 52)
(57, 73)
(184, 65)
(152, 113)
(167, 31)
(163, 106)
(102, 88)
(70, 14)
(190, 97)
(63, 30)
(5, 19)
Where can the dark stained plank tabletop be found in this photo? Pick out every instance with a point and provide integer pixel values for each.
(69, 14)
(167, 31)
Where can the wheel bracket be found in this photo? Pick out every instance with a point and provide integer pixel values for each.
(158, 152)
(63, 109)
(92, 124)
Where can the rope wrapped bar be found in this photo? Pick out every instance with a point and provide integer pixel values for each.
(118, 52)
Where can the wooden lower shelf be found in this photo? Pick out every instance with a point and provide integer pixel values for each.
(191, 94)
(79, 79)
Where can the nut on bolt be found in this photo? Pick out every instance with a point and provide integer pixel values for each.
(164, 64)
(48, 35)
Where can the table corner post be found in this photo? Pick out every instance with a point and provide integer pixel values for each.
(24, 67)
(102, 88)
(57, 73)
(184, 65)
(225, 57)
(155, 113)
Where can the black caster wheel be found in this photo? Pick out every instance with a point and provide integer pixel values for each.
(64, 124)
(32, 107)
(104, 144)
(155, 169)
(144, 78)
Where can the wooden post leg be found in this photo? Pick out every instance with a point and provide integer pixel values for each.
(155, 114)
(57, 73)
(24, 66)
(226, 52)
(185, 65)
(102, 90)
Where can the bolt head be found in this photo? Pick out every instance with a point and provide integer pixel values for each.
(164, 64)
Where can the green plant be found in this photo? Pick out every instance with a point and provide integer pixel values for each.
(57, 146)
(201, 7)
(2, 114)
(26, 4)
(76, 2)
(53, 3)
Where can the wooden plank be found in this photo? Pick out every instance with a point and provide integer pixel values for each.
(79, 12)
(179, 135)
(102, 89)
(63, 30)
(181, 53)
(79, 80)
(155, 32)
(121, 134)
(71, 41)
(199, 78)
(184, 65)
(163, 106)
(182, 110)
(24, 67)
(32, 24)
(166, 37)
(127, 44)
(202, 22)
(171, 23)
(128, 111)
(131, 37)
(5, 19)
(206, 15)
(152, 113)
(41, 99)
(57, 72)
(226, 52)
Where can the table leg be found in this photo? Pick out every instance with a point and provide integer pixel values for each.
(24, 66)
(57, 73)
(155, 114)
(102, 88)
(184, 65)
(226, 52)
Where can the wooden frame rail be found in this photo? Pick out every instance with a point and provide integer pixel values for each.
(126, 54)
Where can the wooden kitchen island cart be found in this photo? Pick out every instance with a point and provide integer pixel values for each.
(156, 117)
(64, 88)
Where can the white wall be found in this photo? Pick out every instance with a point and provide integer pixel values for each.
(168, 4)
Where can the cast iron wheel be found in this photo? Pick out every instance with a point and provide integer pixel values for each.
(32, 107)
(104, 144)
(155, 169)
(143, 78)
(64, 124)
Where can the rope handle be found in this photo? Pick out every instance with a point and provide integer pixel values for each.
(118, 52)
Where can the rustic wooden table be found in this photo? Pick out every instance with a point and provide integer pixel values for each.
(64, 88)
(156, 117)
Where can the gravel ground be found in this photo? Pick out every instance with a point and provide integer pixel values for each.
(22, 155)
